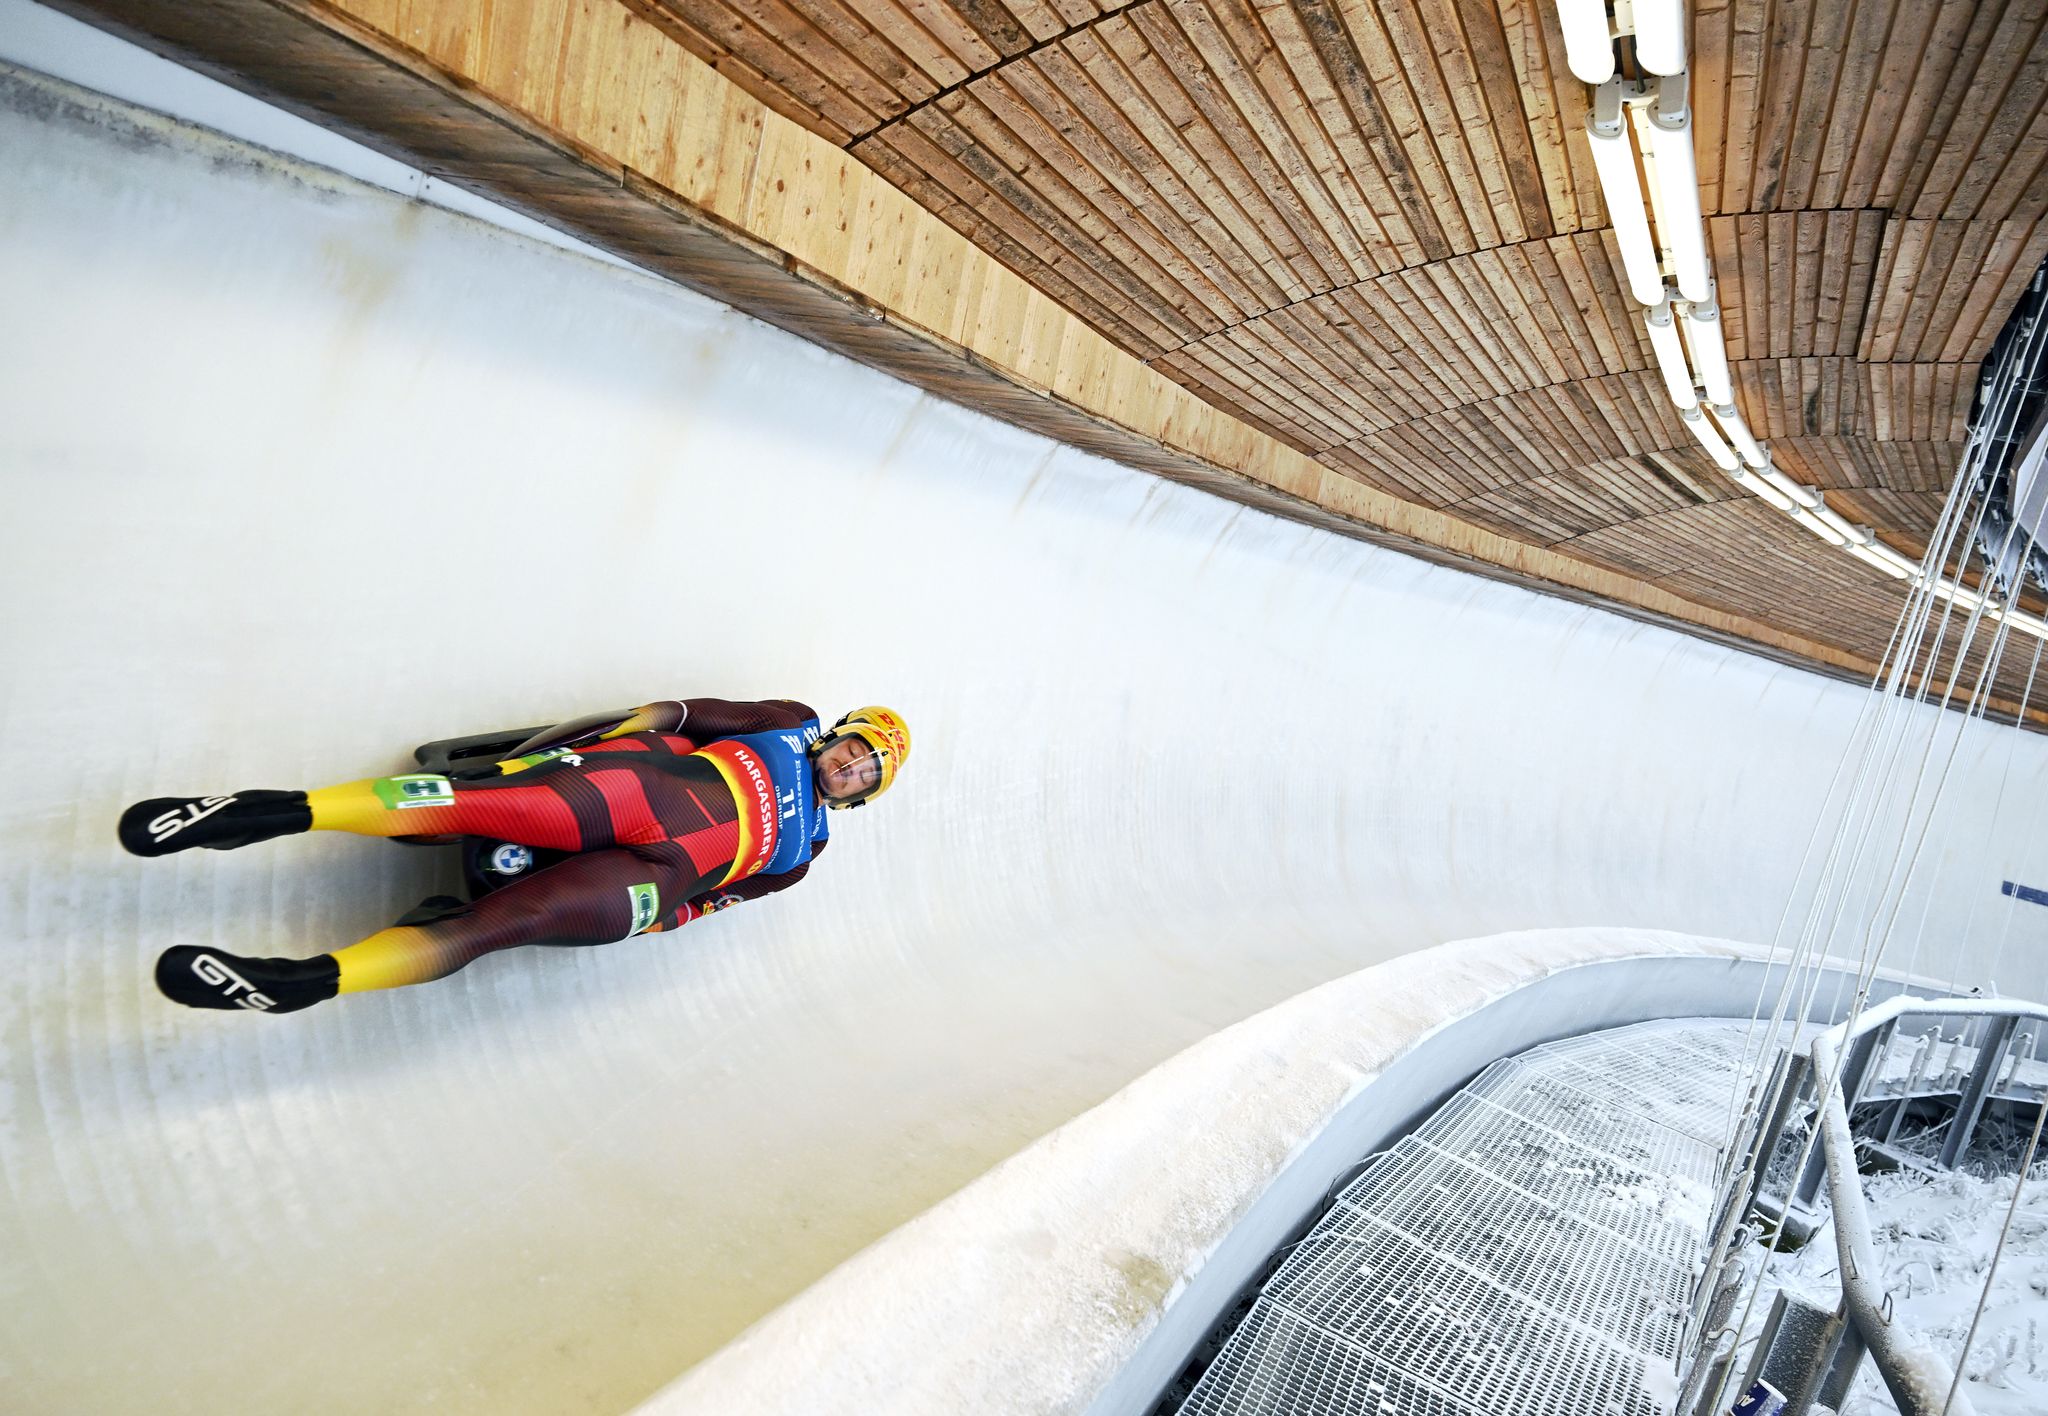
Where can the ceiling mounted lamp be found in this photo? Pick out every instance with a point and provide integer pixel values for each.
(1869, 556)
(1669, 134)
(1837, 523)
(1812, 522)
(1738, 433)
(1588, 42)
(1763, 487)
(1912, 567)
(1709, 351)
(1795, 492)
(2031, 624)
(1614, 159)
(1723, 455)
(1962, 594)
(1660, 36)
(1670, 354)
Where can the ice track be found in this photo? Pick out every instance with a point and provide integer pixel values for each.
(299, 473)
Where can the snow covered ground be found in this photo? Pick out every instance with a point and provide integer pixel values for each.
(1935, 1236)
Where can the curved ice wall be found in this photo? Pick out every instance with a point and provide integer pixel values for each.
(299, 474)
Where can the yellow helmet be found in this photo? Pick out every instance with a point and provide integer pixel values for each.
(885, 733)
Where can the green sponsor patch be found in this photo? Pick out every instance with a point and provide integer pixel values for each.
(646, 901)
(418, 789)
(534, 759)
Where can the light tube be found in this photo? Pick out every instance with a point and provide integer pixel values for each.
(1588, 47)
(2032, 624)
(1738, 433)
(1763, 487)
(1804, 496)
(1962, 594)
(1614, 159)
(1723, 455)
(1818, 527)
(1912, 568)
(1833, 518)
(1670, 354)
(1660, 36)
(1709, 351)
(1871, 558)
(1678, 187)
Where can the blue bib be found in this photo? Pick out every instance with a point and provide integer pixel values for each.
(802, 818)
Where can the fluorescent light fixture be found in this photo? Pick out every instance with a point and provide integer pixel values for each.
(1884, 552)
(2030, 624)
(1738, 433)
(1614, 159)
(1763, 487)
(1803, 495)
(1818, 527)
(1670, 354)
(1957, 591)
(1871, 558)
(1588, 45)
(1962, 594)
(1678, 187)
(1834, 519)
(1709, 352)
(1660, 36)
(1723, 455)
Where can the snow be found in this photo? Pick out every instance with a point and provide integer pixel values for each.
(1935, 1236)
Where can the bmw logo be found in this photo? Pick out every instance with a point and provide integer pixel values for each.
(507, 858)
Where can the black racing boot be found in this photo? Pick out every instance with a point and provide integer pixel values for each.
(214, 978)
(165, 824)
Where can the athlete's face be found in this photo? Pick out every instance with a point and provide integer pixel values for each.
(846, 768)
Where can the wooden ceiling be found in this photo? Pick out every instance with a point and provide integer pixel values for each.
(1369, 228)
(1343, 260)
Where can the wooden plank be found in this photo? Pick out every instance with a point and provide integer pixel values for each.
(2014, 253)
(1859, 108)
(1749, 23)
(1987, 116)
(1158, 76)
(1377, 85)
(1494, 74)
(798, 67)
(1778, 99)
(1819, 67)
(1362, 157)
(1955, 55)
(1176, 33)
(919, 154)
(1275, 126)
(1158, 147)
(1032, 219)
(1553, 107)
(1118, 242)
(1417, 52)
(1065, 100)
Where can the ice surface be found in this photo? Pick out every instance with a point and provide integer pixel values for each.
(299, 475)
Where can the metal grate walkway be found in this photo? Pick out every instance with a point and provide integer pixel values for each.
(1528, 1252)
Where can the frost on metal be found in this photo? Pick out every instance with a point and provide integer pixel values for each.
(1528, 1252)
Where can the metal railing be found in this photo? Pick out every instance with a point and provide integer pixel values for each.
(1921, 1381)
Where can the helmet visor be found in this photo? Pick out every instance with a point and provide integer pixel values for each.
(848, 768)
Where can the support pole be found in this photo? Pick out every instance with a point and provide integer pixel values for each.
(1990, 1059)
